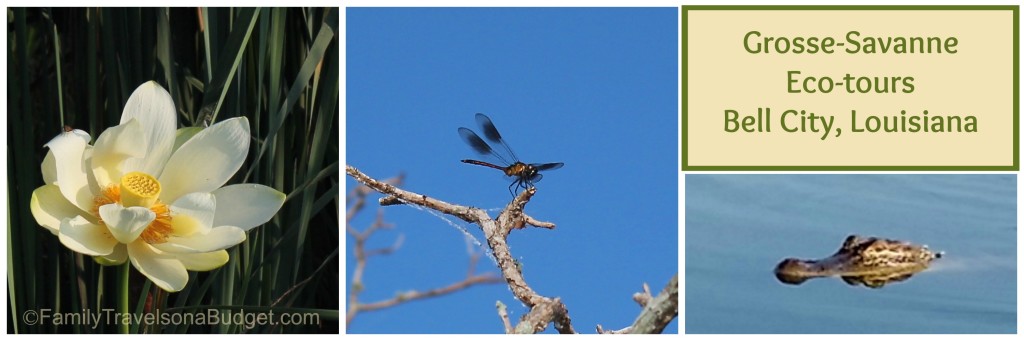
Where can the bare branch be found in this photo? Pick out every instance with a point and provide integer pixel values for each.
(357, 198)
(643, 298)
(387, 250)
(543, 310)
(538, 223)
(503, 314)
(659, 311)
(547, 311)
(413, 295)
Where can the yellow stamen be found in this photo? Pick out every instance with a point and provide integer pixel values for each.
(161, 227)
(109, 195)
(139, 189)
(157, 231)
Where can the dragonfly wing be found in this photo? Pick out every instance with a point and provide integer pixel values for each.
(535, 178)
(475, 141)
(547, 166)
(491, 133)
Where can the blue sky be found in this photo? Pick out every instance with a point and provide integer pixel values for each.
(595, 88)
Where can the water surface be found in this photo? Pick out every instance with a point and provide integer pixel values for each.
(738, 227)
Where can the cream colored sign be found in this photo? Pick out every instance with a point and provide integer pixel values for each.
(849, 88)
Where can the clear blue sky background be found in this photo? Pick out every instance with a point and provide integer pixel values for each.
(596, 89)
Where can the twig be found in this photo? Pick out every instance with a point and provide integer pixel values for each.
(657, 312)
(642, 298)
(418, 295)
(543, 310)
(660, 311)
(357, 198)
(387, 250)
(503, 314)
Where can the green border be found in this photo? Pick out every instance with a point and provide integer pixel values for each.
(1016, 85)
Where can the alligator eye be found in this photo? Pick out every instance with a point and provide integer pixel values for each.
(850, 241)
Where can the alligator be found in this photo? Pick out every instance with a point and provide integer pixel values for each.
(871, 262)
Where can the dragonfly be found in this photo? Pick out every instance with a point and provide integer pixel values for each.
(523, 175)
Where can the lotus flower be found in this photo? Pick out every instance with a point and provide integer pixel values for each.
(138, 194)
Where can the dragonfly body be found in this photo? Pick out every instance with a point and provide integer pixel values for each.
(524, 175)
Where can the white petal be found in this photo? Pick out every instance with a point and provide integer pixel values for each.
(86, 162)
(81, 134)
(118, 257)
(68, 152)
(164, 270)
(113, 147)
(246, 205)
(49, 207)
(183, 135)
(207, 160)
(126, 223)
(193, 213)
(203, 261)
(152, 106)
(81, 236)
(49, 167)
(218, 238)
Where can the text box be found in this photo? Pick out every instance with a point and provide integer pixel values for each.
(850, 88)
